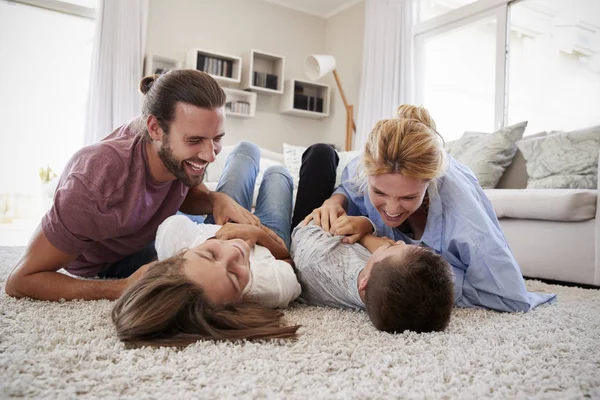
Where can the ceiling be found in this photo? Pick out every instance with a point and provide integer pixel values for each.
(320, 8)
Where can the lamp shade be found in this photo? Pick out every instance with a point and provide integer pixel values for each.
(318, 65)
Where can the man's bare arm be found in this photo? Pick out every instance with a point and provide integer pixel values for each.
(35, 276)
(198, 201)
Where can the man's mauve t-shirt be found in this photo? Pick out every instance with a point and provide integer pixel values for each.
(107, 205)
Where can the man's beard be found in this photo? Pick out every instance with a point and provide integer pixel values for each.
(176, 167)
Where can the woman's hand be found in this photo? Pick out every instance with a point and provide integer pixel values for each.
(354, 228)
(226, 209)
(248, 233)
(326, 215)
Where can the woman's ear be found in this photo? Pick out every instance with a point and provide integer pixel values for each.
(154, 129)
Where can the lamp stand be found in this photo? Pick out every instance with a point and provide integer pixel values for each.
(350, 126)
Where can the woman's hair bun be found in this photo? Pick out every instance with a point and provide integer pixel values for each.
(147, 82)
(418, 113)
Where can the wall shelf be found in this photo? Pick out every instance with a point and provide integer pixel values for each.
(240, 103)
(262, 72)
(156, 64)
(224, 68)
(305, 99)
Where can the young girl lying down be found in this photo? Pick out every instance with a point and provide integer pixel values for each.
(216, 282)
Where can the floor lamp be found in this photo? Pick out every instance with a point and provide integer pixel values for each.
(316, 67)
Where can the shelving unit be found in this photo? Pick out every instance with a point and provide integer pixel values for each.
(225, 68)
(305, 99)
(156, 64)
(240, 103)
(263, 72)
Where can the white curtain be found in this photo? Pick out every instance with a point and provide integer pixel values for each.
(386, 80)
(117, 62)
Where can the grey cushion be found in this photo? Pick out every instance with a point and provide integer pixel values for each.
(515, 175)
(487, 154)
(563, 159)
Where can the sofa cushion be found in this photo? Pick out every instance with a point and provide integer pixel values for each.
(544, 204)
(563, 159)
(515, 175)
(487, 154)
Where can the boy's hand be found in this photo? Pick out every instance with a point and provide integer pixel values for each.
(354, 228)
(248, 233)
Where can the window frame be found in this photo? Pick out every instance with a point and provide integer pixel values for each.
(62, 7)
(455, 19)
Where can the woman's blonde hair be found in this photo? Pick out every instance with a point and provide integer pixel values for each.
(407, 145)
(164, 308)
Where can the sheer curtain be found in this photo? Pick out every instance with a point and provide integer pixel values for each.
(116, 66)
(386, 80)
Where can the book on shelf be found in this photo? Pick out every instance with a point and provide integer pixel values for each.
(214, 66)
(308, 103)
(238, 107)
(264, 80)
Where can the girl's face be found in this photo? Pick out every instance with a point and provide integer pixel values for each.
(396, 196)
(220, 267)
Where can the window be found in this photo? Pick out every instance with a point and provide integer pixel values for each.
(484, 64)
(44, 73)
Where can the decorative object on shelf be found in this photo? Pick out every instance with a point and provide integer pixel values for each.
(317, 66)
(224, 68)
(240, 103)
(305, 99)
(262, 72)
(155, 64)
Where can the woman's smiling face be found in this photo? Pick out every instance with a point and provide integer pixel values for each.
(220, 267)
(396, 196)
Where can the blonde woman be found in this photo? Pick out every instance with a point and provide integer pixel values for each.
(410, 189)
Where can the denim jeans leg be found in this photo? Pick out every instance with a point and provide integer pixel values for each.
(274, 203)
(239, 175)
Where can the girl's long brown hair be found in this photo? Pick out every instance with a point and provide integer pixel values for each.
(164, 308)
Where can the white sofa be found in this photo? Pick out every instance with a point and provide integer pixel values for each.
(553, 233)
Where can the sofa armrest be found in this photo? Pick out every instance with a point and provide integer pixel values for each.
(597, 259)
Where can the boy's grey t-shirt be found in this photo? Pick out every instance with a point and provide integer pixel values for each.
(327, 269)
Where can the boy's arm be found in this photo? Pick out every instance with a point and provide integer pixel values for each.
(372, 243)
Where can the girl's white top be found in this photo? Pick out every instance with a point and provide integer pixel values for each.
(273, 283)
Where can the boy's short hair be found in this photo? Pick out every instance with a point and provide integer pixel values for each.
(414, 293)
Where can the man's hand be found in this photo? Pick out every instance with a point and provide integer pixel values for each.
(226, 209)
(248, 233)
(354, 228)
(326, 215)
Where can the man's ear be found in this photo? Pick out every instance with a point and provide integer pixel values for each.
(154, 129)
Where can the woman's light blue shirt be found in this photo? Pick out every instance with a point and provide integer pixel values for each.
(463, 228)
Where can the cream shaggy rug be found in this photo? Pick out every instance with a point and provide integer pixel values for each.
(68, 349)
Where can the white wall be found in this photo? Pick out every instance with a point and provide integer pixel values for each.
(236, 26)
(344, 40)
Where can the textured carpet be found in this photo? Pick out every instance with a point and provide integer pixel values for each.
(68, 349)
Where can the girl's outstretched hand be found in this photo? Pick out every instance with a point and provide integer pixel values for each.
(248, 233)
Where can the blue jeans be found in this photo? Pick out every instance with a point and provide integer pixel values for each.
(274, 202)
(273, 206)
